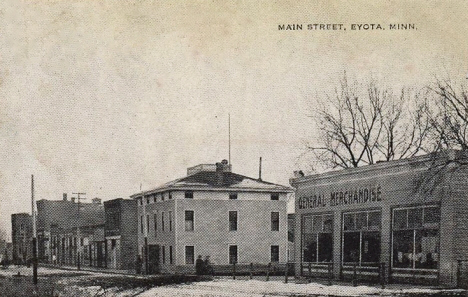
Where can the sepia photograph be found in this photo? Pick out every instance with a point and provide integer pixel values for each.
(258, 148)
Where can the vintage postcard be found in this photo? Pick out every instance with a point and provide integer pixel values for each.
(233, 148)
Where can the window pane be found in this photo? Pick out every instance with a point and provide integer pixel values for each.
(374, 220)
(351, 247)
(233, 196)
(232, 254)
(189, 254)
(325, 253)
(400, 219)
(308, 224)
(328, 224)
(274, 196)
(232, 220)
(275, 221)
(370, 247)
(310, 248)
(427, 249)
(415, 217)
(189, 220)
(361, 221)
(274, 253)
(317, 227)
(349, 222)
(188, 194)
(431, 215)
(403, 248)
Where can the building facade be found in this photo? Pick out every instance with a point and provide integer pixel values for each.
(411, 216)
(212, 212)
(69, 232)
(21, 232)
(121, 234)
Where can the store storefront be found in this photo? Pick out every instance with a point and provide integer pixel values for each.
(406, 218)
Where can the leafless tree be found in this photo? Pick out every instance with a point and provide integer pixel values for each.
(449, 115)
(363, 125)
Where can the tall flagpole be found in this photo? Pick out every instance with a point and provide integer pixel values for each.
(34, 239)
(229, 128)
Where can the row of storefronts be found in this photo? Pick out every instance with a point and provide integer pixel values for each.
(408, 217)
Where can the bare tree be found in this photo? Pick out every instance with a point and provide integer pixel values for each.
(359, 126)
(449, 115)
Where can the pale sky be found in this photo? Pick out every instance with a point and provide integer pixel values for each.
(100, 96)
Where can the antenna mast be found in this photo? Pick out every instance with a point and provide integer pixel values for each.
(229, 128)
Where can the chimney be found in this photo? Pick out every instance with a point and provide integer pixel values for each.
(64, 196)
(73, 199)
(298, 174)
(260, 170)
(96, 200)
(219, 174)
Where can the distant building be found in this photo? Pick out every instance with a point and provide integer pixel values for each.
(121, 233)
(21, 228)
(6, 251)
(65, 227)
(212, 212)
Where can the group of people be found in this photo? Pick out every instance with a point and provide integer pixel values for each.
(203, 267)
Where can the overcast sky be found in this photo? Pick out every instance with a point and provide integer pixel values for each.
(102, 96)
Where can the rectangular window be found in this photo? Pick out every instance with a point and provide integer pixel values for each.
(233, 221)
(361, 237)
(274, 196)
(189, 220)
(233, 254)
(170, 255)
(155, 223)
(170, 221)
(147, 200)
(274, 253)
(162, 221)
(170, 195)
(140, 200)
(416, 237)
(275, 221)
(317, 239)
(154, 198)
(162, 196)
(163, 254)
(147, 223)
(189, 255)
(189, 194)
(141, 224)
(233, 196)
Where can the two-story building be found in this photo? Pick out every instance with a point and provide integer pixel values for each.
(212, 212)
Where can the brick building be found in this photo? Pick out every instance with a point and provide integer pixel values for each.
(212, 212)
(66, 228)
(121, 233)
(410, 215)
(21, 233)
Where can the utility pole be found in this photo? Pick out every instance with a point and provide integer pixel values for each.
(78, 235)
(34, 239)
(145, 230)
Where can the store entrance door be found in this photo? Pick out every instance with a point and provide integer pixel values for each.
(153, 259)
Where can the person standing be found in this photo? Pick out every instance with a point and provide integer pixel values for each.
(139, 264)
(207, 264)
(199, 265)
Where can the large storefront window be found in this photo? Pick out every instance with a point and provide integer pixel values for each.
(416, 237)
(361, 237)
(317, 242)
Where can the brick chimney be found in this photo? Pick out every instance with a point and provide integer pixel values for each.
(221, 168)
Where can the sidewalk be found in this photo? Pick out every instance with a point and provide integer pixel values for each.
(90, 269)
